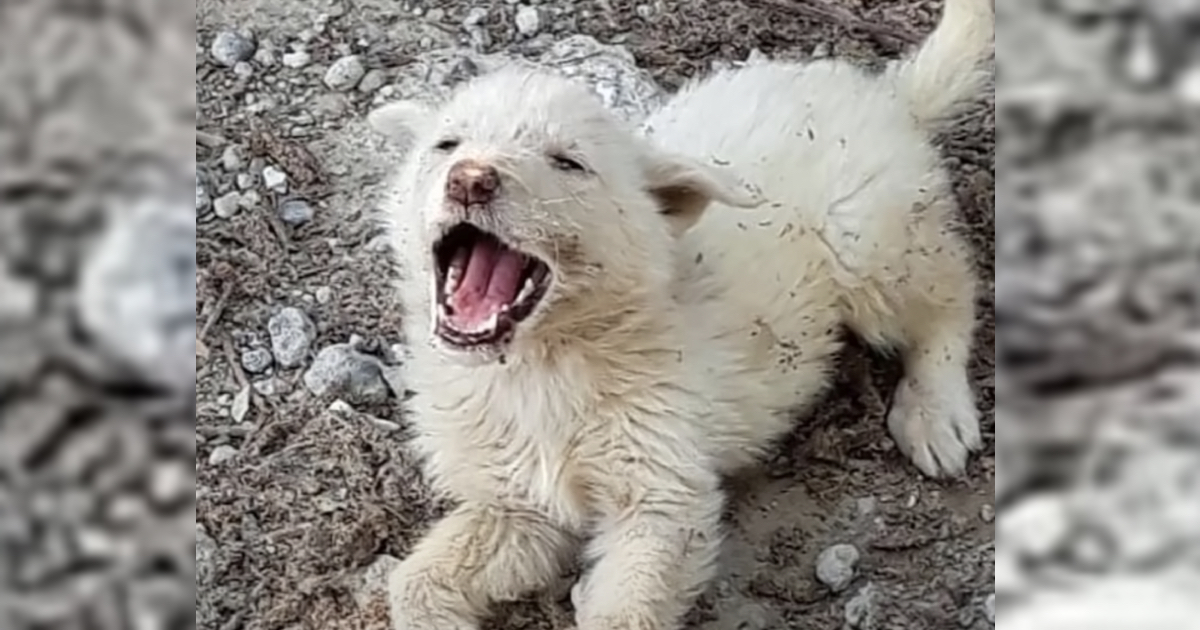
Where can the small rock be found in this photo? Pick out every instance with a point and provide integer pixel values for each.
(528, 20)
(241, 405)
(340, 370)
(836, 565)
(245, 181)
(267, 386)
(257, 360)
(292, 333)
(275, 179)
(203, 201)
(296, 212)
(989, 609)
(221, 455)
(228, 205)
(345, 73)
(1036, 526)
(265, 56)
(324, 295)
(860, 610)
(230, 47)
(18, 298)
(250, 199)
(137, 287)
(372, 81)
(243, 69)
(987, 513)
(231, 159)
(296, 60)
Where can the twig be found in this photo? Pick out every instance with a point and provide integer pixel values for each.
(234, 364)
(815, 10)
(217, 311)
(210, 140)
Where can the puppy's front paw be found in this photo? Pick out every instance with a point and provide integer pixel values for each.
(937, 427)
(417, 604)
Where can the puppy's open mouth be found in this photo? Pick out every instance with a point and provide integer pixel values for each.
(484, 287)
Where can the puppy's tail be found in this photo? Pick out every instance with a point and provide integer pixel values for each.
(950, 68)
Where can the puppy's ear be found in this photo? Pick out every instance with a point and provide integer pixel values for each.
(684, 188)
(400, 121)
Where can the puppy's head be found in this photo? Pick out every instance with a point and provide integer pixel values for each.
(536, 211)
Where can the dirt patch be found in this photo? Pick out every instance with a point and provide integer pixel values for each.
(296, 497)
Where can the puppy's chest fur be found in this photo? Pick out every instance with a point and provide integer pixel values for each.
(547, 439)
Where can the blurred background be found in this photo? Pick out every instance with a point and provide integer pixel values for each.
(97, 323)
(1098, 313)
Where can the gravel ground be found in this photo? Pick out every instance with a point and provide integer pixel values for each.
(306, 491)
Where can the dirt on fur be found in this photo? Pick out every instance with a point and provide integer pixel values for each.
(297, 496)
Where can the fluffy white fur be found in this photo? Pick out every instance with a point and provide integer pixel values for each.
(691, 316)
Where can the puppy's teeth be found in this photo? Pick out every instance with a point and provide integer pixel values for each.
(491, 322)
(526, 291)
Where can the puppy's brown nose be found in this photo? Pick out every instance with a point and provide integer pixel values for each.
(471, 182)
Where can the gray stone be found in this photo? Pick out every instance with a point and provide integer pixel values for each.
(372, 81)
(528, 21)
(340, 370)
(221, 455)
(296, 60)
(230, 47)
(203, 200)
(275, 179)
(292, 334)
(345, 73)
(257, 360)
(243, 69)
(231, 159)
(18, 298)
(836, 566)
(296, 212)
(228, 205)
(989, 609)
(137, 287)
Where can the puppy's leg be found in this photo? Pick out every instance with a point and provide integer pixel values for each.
(925, 305)
(651, 563)
(478, 555)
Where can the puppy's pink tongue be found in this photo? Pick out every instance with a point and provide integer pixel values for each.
(491, 282)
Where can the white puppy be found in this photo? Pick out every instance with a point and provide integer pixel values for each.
(592, 350)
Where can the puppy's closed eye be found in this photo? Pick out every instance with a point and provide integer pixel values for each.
(447, 145)
(566, 163)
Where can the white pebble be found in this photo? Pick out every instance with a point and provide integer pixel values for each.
(989, 609)
(228, 205)
(528, 20)
(222, 454)
(243, 69)
(345, 73)
(275, 179)
(292, 334)
(257, 360)
(1037, 525)
(836, 565)
(296, 60)
(231, 158)
(296, 212)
